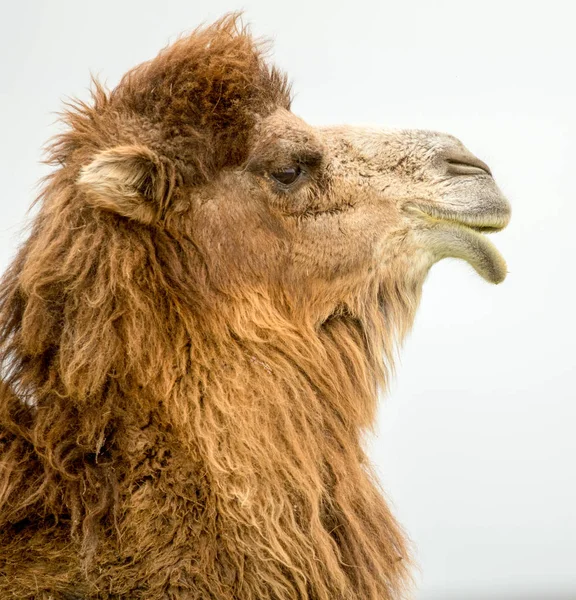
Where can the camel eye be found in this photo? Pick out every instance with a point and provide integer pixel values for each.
(287, 176)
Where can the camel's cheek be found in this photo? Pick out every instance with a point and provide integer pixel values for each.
(241, 242)
(348, 245)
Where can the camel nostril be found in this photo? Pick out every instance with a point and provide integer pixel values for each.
(467, 165)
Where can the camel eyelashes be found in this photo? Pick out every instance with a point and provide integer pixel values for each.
(288, 176)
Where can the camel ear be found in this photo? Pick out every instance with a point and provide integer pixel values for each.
(132, 181)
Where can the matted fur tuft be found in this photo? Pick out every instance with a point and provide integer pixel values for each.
(195, 103)
(162, 436)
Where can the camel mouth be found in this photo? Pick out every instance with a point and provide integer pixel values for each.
(483, 221)
(457, 234)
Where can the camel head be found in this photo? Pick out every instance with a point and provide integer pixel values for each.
(200, 144)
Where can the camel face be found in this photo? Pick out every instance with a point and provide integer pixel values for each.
(333, 208)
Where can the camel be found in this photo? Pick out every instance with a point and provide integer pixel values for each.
(194, 334)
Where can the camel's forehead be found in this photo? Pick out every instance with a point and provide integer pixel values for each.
(284, 132)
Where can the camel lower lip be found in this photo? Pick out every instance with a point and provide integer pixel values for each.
(464, 238)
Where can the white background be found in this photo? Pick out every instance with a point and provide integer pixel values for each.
(476, 441)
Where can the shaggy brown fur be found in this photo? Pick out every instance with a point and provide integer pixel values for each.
(182, 401)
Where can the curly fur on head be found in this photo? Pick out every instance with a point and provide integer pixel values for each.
(181, 406)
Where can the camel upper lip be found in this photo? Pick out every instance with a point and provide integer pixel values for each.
(482, 221)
